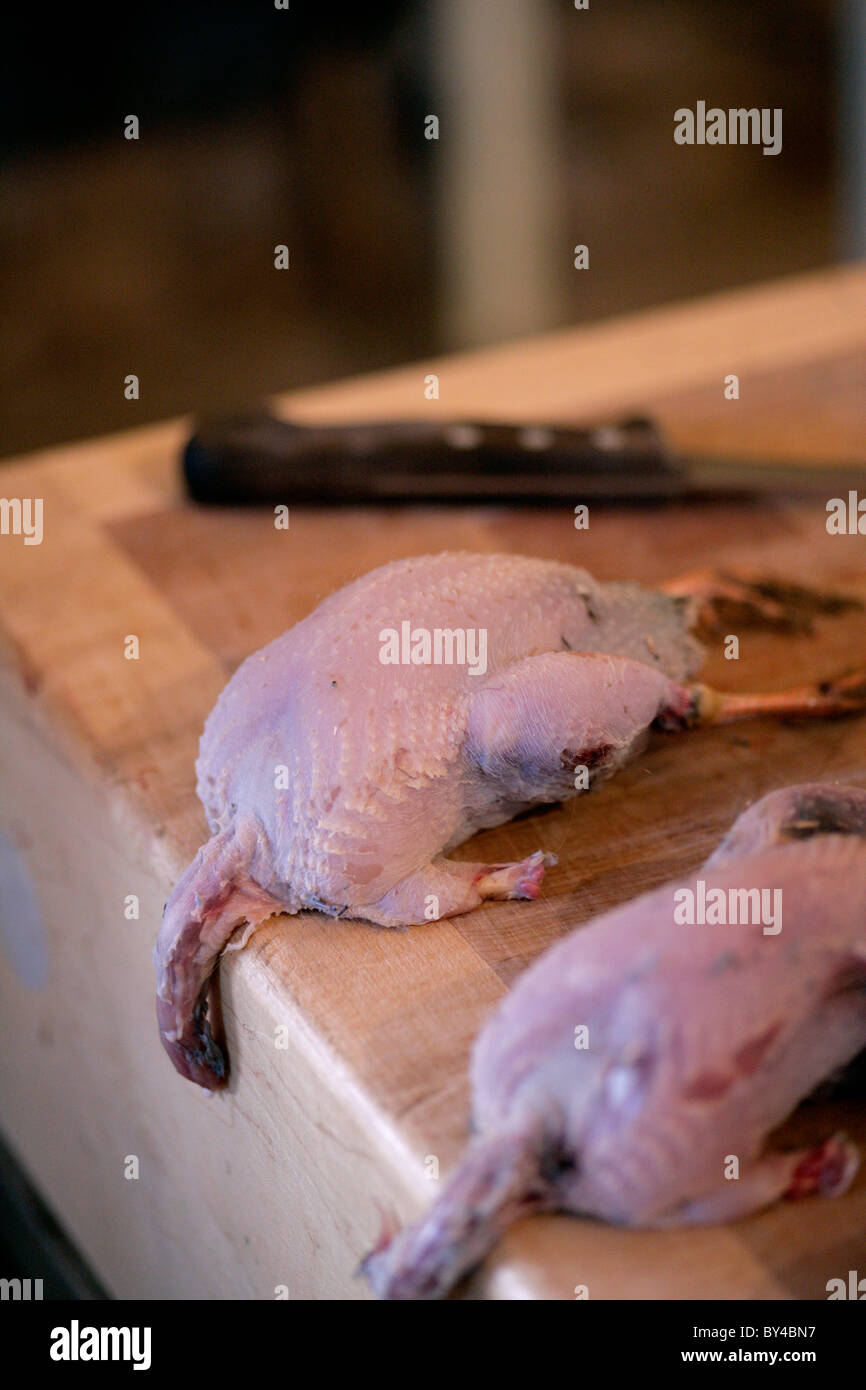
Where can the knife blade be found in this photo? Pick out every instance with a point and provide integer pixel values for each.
(258, 458)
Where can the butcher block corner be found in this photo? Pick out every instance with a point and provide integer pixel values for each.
(350, 1044)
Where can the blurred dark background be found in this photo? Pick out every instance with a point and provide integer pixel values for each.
(305, 127)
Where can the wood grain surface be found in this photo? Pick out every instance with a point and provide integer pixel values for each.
(281, 1181)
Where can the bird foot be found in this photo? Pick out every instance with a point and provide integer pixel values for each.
(521, 880)
(724, 600)
(828, 1169)
(833, 698)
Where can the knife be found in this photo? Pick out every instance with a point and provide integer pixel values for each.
(257, 458)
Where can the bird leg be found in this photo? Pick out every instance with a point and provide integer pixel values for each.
(212, 899)
(724, 599)
(497, 1182)
(826, 1170)
(828, 699)
(448, 887)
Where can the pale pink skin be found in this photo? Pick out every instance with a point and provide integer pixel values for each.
(391, 766)
(702, 1039)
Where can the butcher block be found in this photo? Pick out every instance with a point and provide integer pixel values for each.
(349, 1043)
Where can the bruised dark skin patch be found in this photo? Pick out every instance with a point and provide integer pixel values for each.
(749, 1057)
(208, 1054)
(711, 1085)
(558, 1162)
(708, 1085)
(819, 817)
(671, 723)
(197, 1054)
(590, 758)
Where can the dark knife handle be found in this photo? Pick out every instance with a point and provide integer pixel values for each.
(257, 458)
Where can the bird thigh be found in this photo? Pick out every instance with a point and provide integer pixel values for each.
(554, 723)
